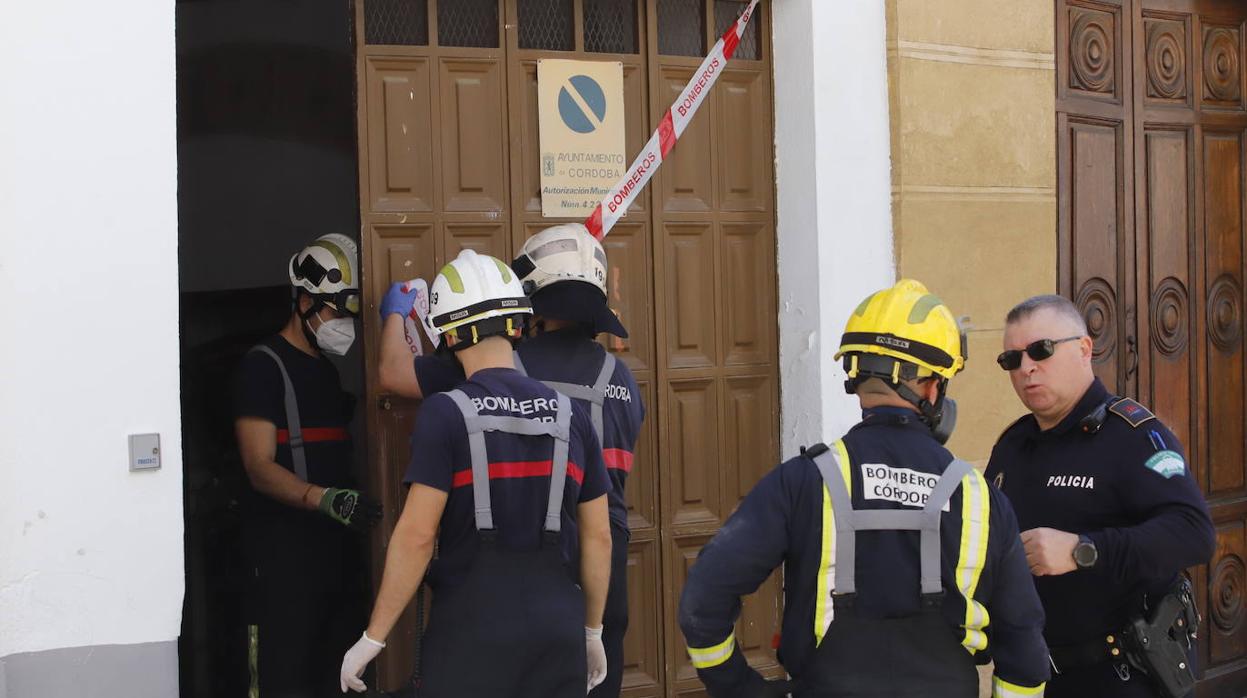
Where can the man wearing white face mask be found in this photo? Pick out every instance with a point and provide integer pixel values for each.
(291, 418)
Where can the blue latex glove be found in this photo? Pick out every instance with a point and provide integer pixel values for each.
(399, 299)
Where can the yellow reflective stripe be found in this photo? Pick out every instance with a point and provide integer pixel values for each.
(975, 511)
(826, 572)
(823, 608)
(707, 657)
(1004, 689)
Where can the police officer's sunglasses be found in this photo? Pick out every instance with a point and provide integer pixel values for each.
(1038, 350)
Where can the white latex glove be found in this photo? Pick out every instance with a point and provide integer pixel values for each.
(597, 656)
(356, 659)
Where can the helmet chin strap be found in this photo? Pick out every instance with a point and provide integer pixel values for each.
(312, 310)
(940, 416)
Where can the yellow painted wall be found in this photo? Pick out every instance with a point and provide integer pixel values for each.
(971, 101)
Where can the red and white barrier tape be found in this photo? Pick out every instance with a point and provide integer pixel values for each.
(672, 126)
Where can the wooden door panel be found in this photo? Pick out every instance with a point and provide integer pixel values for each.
(400, 134)
(746, 293)
(473, 132)
(1222, 66)
(1223, 217)
(643, 657)
(526, 119)
(1095, 44)
(629, 284)
(684, 552)
(642, 491)
(685, 182)
(759, 624)
(1168, 312)
(690, 300)
(637, 130)
(483, 238)
(394, 425)
(749, 443)
(404, 252)
(1096, 226)
(1165, 59)
(692, 453)
(1226, 625)
(744, 180)
(755, 629)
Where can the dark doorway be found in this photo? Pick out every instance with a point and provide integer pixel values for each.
(266, 162)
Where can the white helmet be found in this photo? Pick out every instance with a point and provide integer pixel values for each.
(476, 292)
(328, 270)
(568, 252)
(561, 253)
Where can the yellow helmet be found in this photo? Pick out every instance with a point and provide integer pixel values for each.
(908, 323)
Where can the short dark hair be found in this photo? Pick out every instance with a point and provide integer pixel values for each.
(1058, 304)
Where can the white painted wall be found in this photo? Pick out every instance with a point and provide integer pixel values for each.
(90, 553)
(834, 199)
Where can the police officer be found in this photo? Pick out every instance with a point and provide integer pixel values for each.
(291, 418)
(506, 476)
(1109, 512)
(902, 567)
(563, 270)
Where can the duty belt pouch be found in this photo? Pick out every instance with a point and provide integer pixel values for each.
(1158, 642)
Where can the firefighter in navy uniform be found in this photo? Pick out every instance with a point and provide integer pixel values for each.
(563, 270)
(902, 567)
(507, 478)
(291, 424)
(1109, 511)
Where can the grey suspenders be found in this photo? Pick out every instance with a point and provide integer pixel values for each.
(849, 521)
(595, 395)
(477, 425)
(297, 456)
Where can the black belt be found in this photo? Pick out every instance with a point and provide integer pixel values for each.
(1081, 654)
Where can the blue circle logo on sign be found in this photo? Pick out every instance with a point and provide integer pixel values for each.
(573, 111)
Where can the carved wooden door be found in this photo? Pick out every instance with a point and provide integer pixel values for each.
(449, 157)
(1151, 145)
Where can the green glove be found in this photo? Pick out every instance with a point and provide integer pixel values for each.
(349, 508)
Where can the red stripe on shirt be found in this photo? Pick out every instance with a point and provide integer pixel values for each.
(518, 469)
(617, 459)
(315, 434)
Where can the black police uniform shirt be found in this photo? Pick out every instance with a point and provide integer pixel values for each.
(569, 355)
(1127, 487)
(781, 522)
(519, 469)
(294, 543)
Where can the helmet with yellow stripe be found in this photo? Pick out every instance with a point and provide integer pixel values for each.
(905, 333)
(476, 296)
(328, 271)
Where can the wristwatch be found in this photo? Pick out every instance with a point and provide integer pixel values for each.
(1085, 553)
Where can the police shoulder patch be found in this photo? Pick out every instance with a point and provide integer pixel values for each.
(1167, 463)
(1131, 411)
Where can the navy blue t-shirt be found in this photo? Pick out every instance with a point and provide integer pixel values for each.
(519, 469)
(324, 409)
(293, 546)
(570, 356)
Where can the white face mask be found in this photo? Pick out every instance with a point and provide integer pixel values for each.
(336, 336)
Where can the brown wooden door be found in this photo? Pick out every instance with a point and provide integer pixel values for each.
(1151, 125)
(449, 156)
